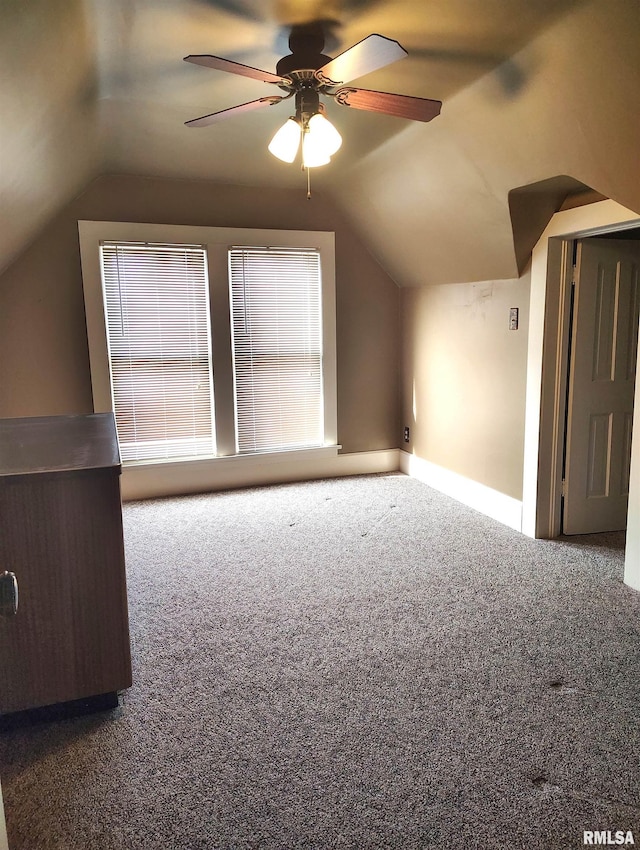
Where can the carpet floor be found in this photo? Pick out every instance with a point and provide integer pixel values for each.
(355, 663)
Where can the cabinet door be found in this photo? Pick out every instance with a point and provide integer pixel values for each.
(61, 534)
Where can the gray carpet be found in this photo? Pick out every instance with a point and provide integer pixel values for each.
(356, 663)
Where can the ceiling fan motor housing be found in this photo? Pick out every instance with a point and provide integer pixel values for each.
(300, 61)
(306, 43)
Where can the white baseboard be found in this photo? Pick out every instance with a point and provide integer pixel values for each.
(498, 506)
(149, 481)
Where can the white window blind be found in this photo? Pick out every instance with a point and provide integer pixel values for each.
(159, 340)
(277, 347)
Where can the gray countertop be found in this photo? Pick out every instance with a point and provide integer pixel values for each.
(41, 444)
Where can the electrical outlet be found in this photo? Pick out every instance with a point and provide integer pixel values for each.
(406, 433)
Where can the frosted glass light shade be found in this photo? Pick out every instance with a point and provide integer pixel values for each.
(322, 130)
(313, 153)
(286, 141)
(319, 142)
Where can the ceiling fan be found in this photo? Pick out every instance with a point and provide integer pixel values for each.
(306, 74)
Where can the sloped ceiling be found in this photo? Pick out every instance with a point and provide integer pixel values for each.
(49, 116)
(530, 91)
(437, 196)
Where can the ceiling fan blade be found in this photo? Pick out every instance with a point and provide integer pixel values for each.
(214, 117)
(220, 64)
(373, 52)
(400, 105)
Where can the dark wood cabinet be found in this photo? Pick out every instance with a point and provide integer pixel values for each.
(61, 535)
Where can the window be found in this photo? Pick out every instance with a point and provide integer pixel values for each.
(156, 301)
(185, 321)
(277, 348)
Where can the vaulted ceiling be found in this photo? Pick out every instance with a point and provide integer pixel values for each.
(531, 91)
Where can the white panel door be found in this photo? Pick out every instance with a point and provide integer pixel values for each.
(601, 386)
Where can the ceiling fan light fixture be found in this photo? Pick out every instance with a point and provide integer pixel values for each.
(284, 145)
(307, 73)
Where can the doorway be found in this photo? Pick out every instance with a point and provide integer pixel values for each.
(550, 320)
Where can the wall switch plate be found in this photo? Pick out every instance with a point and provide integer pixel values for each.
(406, 433)
(513, 318)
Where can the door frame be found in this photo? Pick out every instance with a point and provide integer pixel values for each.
(545, 406)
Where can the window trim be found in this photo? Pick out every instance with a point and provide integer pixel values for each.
(217, 241)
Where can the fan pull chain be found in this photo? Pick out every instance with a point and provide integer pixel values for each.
(308, 184)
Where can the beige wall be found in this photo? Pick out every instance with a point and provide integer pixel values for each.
(434, 200)
(44, 367)
(464, 373)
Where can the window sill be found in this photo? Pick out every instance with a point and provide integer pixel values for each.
(153, 479)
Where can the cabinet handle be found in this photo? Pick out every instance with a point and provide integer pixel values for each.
(8, 594)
